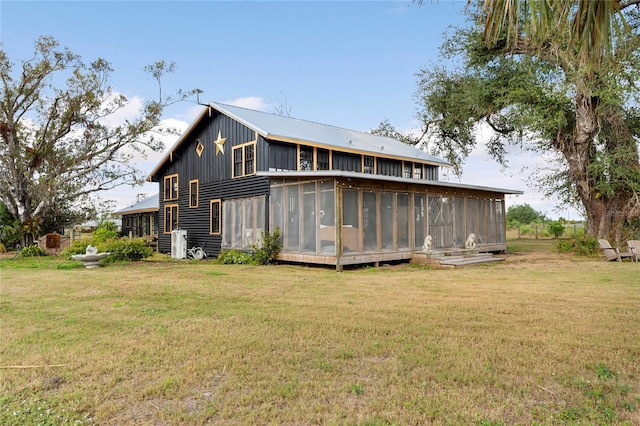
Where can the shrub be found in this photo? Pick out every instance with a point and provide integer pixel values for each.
(526, 230)
(584, 246)
(120, 249)
(555, 228)
(264, 254)
(106, 230)
(125, 249)
(271, 245)
(78, 247)
(234, 257)
(32, 251)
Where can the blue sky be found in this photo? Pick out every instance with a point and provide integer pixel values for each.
(350, 64)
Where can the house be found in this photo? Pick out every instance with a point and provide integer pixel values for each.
(338, 196)
(141, 218)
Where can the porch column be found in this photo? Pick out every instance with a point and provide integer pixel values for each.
(339, 219)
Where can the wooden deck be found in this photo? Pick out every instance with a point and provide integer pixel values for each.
(446, 257)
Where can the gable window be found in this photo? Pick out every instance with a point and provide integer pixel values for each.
(306, 158)
(170, 218)
(249, 159)
(323, 159)
(171, 187)
(369, 164)
(237, 162)
(193, 193)
(214, 217)
(244, 159)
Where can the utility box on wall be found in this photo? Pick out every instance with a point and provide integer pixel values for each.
(179, 244)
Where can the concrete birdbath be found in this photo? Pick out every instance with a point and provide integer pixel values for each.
(91, 258)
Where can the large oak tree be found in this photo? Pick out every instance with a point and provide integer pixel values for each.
(62, 136)
(557, 77)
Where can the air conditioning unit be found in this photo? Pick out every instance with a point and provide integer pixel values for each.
(179, 244)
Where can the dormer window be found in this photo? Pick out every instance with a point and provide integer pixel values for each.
(306, 158)
(323, 159)
(417, 171)
(407, 170)
(369, 164)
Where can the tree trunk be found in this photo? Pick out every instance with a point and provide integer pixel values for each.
(607, 214)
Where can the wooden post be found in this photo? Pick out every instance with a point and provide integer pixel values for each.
(338, 219)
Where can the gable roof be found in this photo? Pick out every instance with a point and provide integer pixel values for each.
(149, 204)
(287, 129)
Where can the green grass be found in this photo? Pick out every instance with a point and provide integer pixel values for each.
(531, 245)
(539, 339)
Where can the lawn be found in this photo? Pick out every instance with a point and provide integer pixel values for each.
(542, 338)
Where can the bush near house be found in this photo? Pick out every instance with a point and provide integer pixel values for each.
(120, 248)
(264, 254)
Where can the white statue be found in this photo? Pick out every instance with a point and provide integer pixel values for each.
(91, 250)
(248, 237)
(471, 241)
(427, 244)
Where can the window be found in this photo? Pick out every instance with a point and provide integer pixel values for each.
(323, 159)
(369, 164)
(171, 187)
(249, 159)
(214, 215)
(170, 218)
(407, 170)
(237, 162)
(244, 159)
(193, 193)
(417, 171)
(306, 158)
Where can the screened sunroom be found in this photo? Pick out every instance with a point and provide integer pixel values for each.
(342, 218)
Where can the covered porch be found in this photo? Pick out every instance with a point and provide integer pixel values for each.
(341, 218)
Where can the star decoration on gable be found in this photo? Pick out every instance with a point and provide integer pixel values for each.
(220, 143)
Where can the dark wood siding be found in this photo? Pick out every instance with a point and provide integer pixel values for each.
(213, 172)
(282, 156)
(431, 172)
(389, 167)
(196, 220)
(208, 167)
(347, 162)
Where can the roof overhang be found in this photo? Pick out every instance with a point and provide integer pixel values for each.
(138, 211)
(383, 178)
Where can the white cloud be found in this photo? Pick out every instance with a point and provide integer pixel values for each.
(129, 111)
(251, 102)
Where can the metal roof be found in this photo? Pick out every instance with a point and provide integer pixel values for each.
(278, 127)
(148, 204)
(287, 129)
(355, 175)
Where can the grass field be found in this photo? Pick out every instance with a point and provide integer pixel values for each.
(542, 338)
